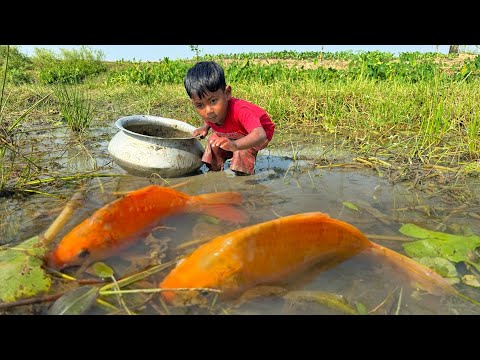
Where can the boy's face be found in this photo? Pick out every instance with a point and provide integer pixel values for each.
(213, 106)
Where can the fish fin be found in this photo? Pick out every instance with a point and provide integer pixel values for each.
(428, 279)
(226, 213)
(218, 198)
(219, 205)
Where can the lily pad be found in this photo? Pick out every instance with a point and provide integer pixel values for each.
(455, 248)
(21, 272)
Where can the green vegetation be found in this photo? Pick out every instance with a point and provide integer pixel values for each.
(17, 166)
(22, 273)
(70, 67)
(75, 106)
(22, 167)
(19, 64)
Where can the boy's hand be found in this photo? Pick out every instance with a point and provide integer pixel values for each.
(225, 144)
(201, 131)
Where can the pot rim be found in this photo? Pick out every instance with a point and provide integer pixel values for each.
(180, 125)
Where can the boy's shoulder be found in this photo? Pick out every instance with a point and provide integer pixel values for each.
(238, 104)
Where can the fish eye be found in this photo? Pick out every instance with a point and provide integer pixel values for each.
(204, 292)
(83, 253)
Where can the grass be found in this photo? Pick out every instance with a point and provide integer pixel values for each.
(432, 121)
(406, 118)
(76, 106)
(16, 166)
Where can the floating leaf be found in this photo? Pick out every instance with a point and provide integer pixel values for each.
(361, 309)
(75, 302)
(21, 272)
(471, 280)
(455, 248)
(208, 219)
(350, 205)
(440, 265)
(421, 233)
(102, 270)
(331, 300)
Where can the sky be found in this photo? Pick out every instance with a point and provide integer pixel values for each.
(173, 52)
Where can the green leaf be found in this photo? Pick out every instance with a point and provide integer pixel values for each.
(102, 270)
(350, 205)
(135, 277)
(21, 272)
(75, 302)
(471, 280)
(331, 300)
(440, 265)
(208, 219)
(361, 309)
(455, 248)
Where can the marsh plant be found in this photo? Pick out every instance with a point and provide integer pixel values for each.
(16, 166)
(76, 106)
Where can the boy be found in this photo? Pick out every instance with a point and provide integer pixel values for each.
(240, 128)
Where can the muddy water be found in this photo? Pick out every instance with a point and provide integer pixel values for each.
(282, 186)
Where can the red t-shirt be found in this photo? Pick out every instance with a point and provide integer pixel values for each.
(242, 117)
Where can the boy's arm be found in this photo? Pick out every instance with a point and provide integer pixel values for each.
(256, 137)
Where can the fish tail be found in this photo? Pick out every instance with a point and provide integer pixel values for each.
(428, 279)
(220, 205)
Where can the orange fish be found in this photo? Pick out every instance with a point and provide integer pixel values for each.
(273, 251)
(124, 221)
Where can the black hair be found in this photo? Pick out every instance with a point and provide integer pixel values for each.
(203, 77)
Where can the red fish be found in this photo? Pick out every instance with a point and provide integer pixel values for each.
(270, 252)
(122, 222)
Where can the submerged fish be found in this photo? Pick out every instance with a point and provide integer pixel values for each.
(124, 221)
(273, 251)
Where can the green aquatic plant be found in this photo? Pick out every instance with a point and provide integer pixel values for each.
(455, 248)
(441, 251)
(16, 166)
(21, 271)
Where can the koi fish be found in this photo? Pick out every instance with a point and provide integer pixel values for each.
(124, 221)
(272, 251)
